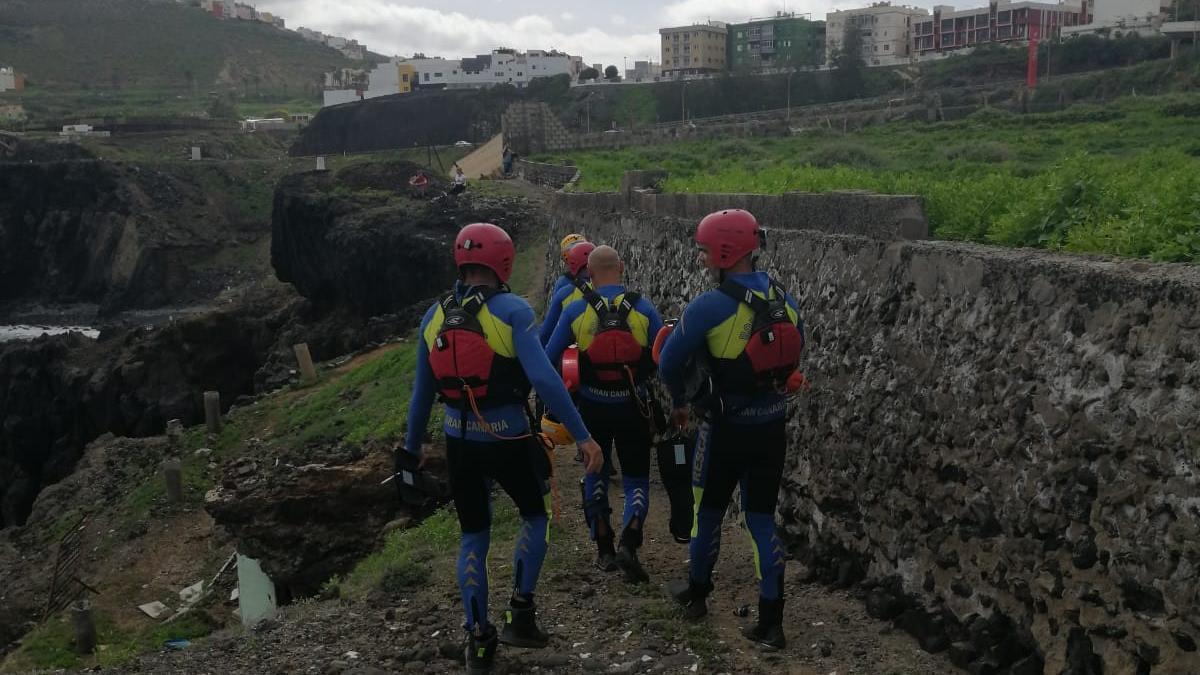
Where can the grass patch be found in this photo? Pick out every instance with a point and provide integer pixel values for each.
(1121, 179)
(50, 646)
(412, 557)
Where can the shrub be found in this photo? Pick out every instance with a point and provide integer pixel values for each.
(983, 152)
(845, 154)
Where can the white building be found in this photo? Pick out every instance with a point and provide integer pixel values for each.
(885, 29)
(1122, 16)
(8, 79)
(502, 66)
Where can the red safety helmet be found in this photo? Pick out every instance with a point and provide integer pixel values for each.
(577, 257)
(729, 236)
(487, 245)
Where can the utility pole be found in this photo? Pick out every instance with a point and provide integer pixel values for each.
(789, 93)
(683, 102)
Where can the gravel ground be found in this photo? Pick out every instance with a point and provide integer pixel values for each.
(598, 622)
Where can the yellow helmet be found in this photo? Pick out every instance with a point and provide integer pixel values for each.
(567, 242)
(555, 431)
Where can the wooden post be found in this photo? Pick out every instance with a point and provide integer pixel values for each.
(307, 371)
(173, 474)
(85, 627)
(212, 411)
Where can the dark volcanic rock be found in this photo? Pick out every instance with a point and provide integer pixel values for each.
(359, 240)
(117, 235)
(417, 119)
(58, 393)
(305, 522)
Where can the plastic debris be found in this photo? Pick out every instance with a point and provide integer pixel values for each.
(154, 609)
(177, 644)
(192, 593)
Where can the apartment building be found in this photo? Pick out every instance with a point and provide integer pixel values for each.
(643, 71)
(695, 50)
(1002, 21)
(786, 40)
(885, 29)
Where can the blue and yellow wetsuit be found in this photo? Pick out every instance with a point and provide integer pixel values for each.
(613, 415)
(477, 457)
(565, 292)
(746, 445)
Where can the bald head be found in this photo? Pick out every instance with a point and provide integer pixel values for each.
(605, 266)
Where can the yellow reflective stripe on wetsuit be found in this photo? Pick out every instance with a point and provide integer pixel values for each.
(584, 325)
(728, 339)
(497, 333)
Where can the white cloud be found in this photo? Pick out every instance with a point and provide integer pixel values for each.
(618, 20)
(388, 28)
(567, 16)
(684, 12)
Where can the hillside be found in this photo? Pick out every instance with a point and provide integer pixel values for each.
(118, 47)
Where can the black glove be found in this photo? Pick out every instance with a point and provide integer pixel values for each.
(407, 477)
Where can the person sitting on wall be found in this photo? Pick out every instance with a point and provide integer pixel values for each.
(460, 181)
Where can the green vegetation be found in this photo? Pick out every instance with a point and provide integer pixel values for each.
(51, 645)
(1121, 179)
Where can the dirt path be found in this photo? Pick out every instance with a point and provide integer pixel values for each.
(484, 161)
(598, 622)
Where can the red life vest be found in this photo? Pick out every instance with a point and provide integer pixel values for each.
(614, 357)
(465, 365)
(772, 352)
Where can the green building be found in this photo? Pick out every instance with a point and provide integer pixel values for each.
(781, 41)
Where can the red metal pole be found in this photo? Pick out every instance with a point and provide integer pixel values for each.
(1031, 77)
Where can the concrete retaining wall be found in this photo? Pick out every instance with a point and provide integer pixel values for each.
(1000, 446)
(553, 176)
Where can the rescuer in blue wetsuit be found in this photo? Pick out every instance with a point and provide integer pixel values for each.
(478, 351)
(742, 340)
(613, 328)
(578, 280)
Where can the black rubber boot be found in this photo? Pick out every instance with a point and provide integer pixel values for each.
(768, 632)
(521, 629)
(693, 597)
(606, 555)
(481, 652)
(627, 557)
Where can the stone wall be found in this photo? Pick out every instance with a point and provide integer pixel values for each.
(553, 176)
(999, 446)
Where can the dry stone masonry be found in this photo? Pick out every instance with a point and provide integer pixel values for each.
(1000, 446)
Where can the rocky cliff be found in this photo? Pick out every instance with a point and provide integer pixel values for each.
(360, 239)
(117, 235)
(58, 393)
(999, 445)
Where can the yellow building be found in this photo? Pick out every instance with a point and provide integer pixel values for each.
(693, 50)
(408, 76)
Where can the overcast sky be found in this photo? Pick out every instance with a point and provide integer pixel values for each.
(598, 31)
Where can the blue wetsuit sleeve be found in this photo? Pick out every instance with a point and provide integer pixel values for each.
(656, 323)
(545, 380)
(687, 336)
(563, 335)
(424, 390)
(791, 300)
(553, 312)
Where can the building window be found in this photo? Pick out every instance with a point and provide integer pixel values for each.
(454, 72)
(437, 74)
(426, 77)
(520, 74)
(887, 48)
